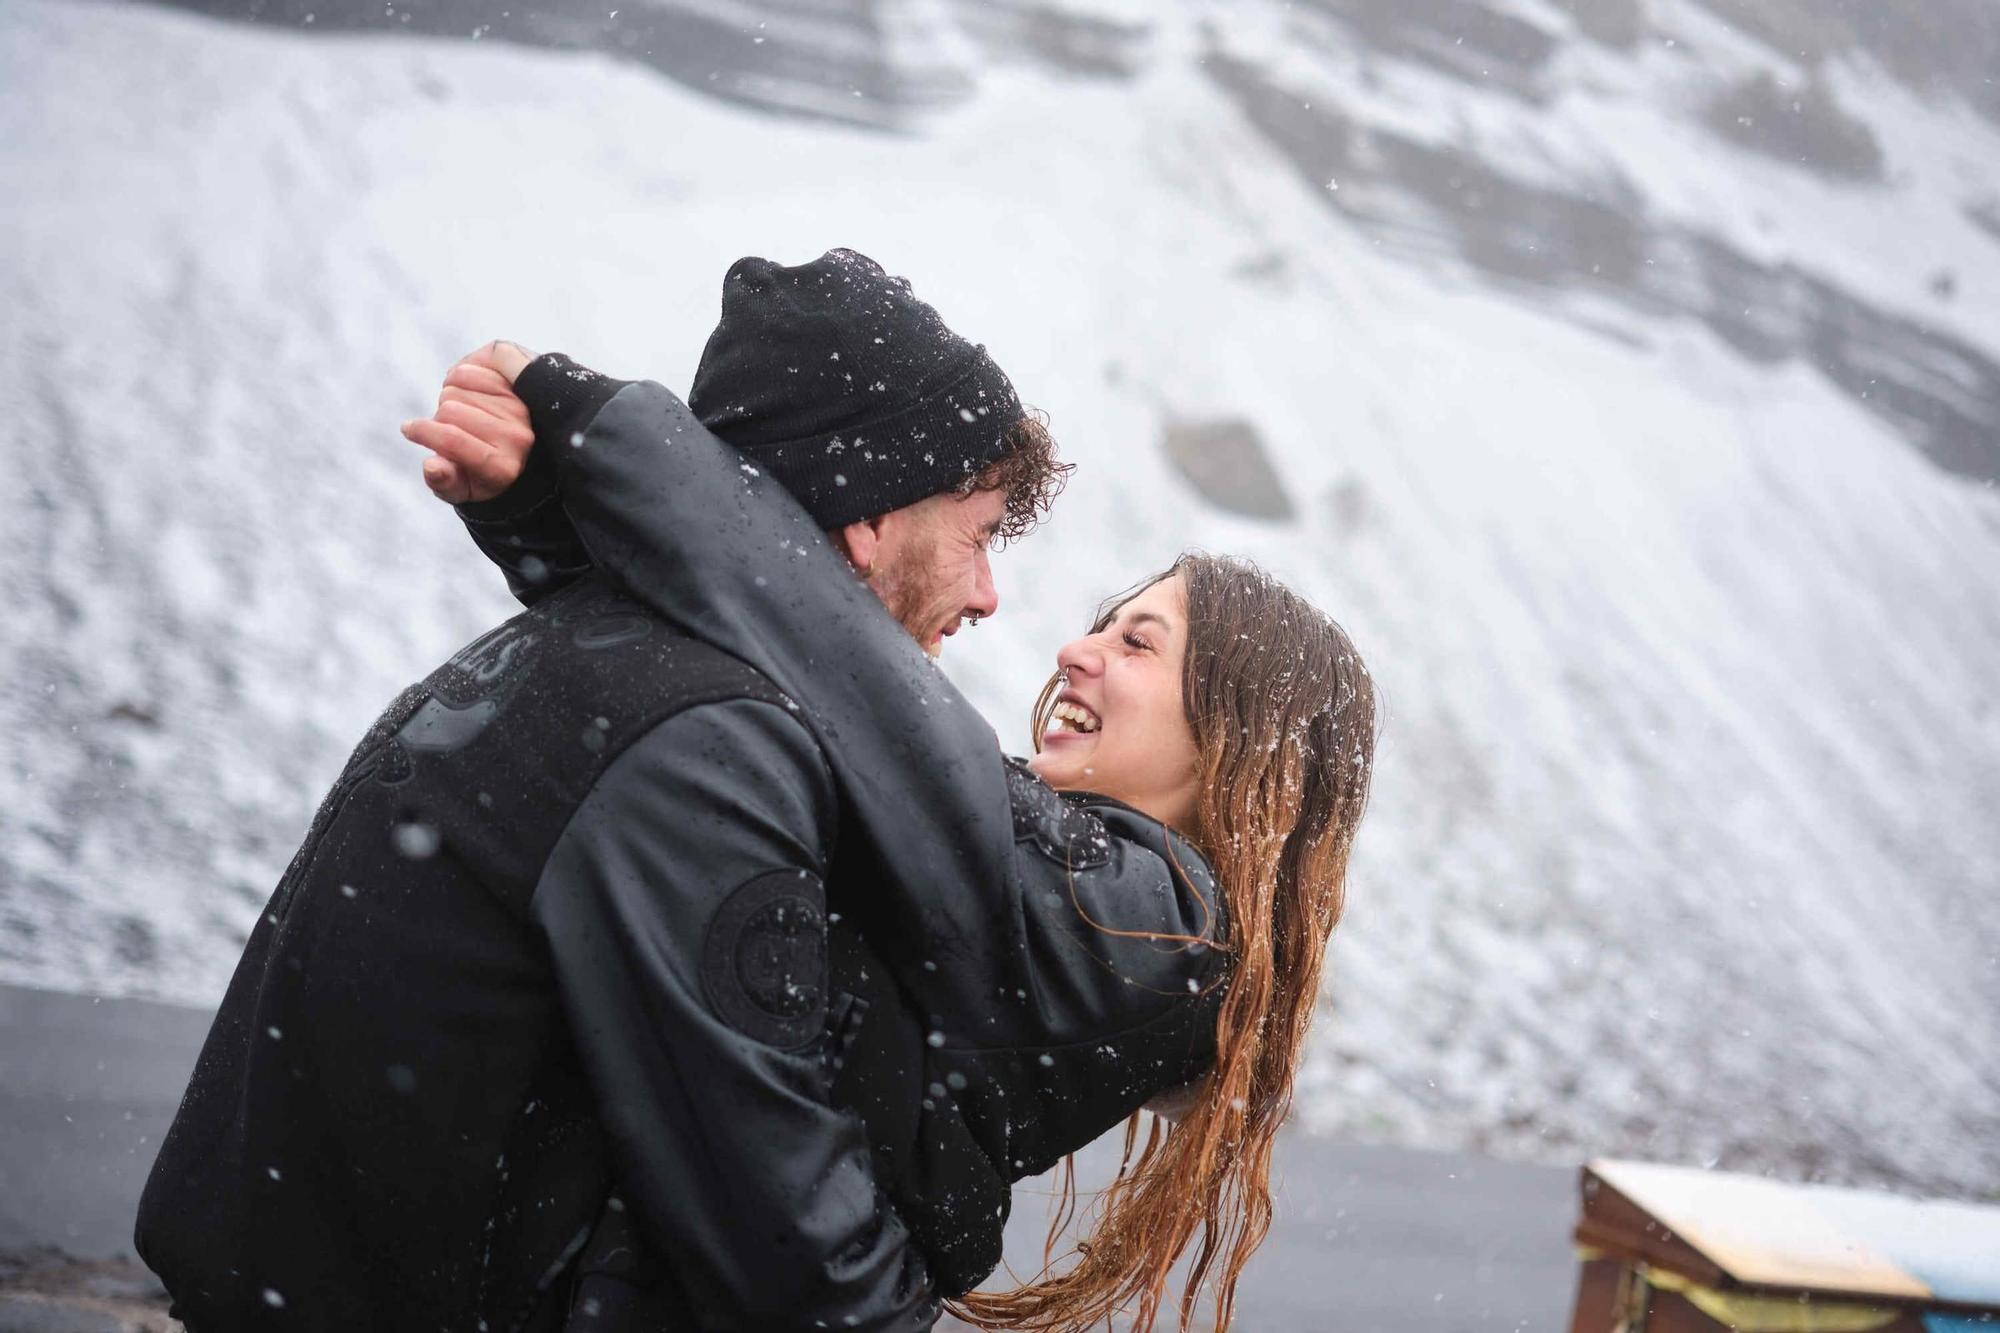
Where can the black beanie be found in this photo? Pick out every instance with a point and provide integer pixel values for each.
(847, 389)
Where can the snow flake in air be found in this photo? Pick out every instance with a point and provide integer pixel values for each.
(415, 840)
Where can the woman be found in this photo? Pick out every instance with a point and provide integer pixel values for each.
(1210, 699)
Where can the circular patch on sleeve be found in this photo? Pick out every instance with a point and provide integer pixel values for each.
(763, 960)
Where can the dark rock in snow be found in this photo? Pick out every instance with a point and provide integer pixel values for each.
(1805, 125)
(1225, 460)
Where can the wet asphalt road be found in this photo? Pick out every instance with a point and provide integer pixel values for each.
(1366, 1240)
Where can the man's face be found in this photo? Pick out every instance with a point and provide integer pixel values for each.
(930, 567)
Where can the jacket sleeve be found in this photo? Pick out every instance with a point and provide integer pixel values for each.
(525, 530)
(974, 861)
(684, 913)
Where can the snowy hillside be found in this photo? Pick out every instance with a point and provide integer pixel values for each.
(1625, 376)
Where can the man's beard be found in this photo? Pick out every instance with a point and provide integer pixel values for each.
(907, 590)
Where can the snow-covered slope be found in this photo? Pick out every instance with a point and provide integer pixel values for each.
(1648, 465)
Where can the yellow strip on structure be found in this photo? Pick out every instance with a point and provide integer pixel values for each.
(1760, 1314)
(1772, 1314)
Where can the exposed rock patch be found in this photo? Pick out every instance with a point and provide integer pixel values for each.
(1941, 392)
(1224, 459)
(1618, 24)
(1804, 125)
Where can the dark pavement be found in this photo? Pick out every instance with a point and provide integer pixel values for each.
(86, 1089)
(1366, 1240)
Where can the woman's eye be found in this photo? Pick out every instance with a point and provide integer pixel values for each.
(1134, 641)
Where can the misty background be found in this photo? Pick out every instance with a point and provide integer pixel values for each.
(1623, 374)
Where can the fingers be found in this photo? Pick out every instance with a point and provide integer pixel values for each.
(508, 408)
(477, 378)
(508, 359)
(452, 443)
(510, 437)
(487, 470)
(446, 481)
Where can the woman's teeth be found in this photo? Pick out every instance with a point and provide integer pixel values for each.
(1074, 717)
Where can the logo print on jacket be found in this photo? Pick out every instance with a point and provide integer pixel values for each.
(763, 964)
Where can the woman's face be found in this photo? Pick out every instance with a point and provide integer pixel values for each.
(1120, 727)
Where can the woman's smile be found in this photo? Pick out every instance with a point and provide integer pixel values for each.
(1071, 718)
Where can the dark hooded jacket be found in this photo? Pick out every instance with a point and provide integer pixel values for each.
(549, 974)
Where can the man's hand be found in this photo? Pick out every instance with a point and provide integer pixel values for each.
(481, 434)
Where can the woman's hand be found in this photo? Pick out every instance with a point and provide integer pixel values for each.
(480, 434)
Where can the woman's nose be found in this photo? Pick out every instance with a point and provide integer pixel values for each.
(1080, 657)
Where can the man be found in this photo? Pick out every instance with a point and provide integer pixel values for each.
(550, 965)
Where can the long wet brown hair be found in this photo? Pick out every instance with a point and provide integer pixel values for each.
(1283, 716)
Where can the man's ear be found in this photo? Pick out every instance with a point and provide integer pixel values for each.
(860, 542)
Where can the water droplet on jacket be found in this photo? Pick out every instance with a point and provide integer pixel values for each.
(415, 840)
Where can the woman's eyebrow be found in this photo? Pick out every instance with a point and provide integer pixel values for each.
(1140, 617)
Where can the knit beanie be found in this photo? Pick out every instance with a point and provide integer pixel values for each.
(837, 381)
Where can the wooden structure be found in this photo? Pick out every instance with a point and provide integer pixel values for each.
(1669, 1249)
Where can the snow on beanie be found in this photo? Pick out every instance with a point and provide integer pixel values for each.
(836, 380)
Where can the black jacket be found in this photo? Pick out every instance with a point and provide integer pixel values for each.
(558, 923)
(1008, 1077)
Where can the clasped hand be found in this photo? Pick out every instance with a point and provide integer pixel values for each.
(480, 435)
